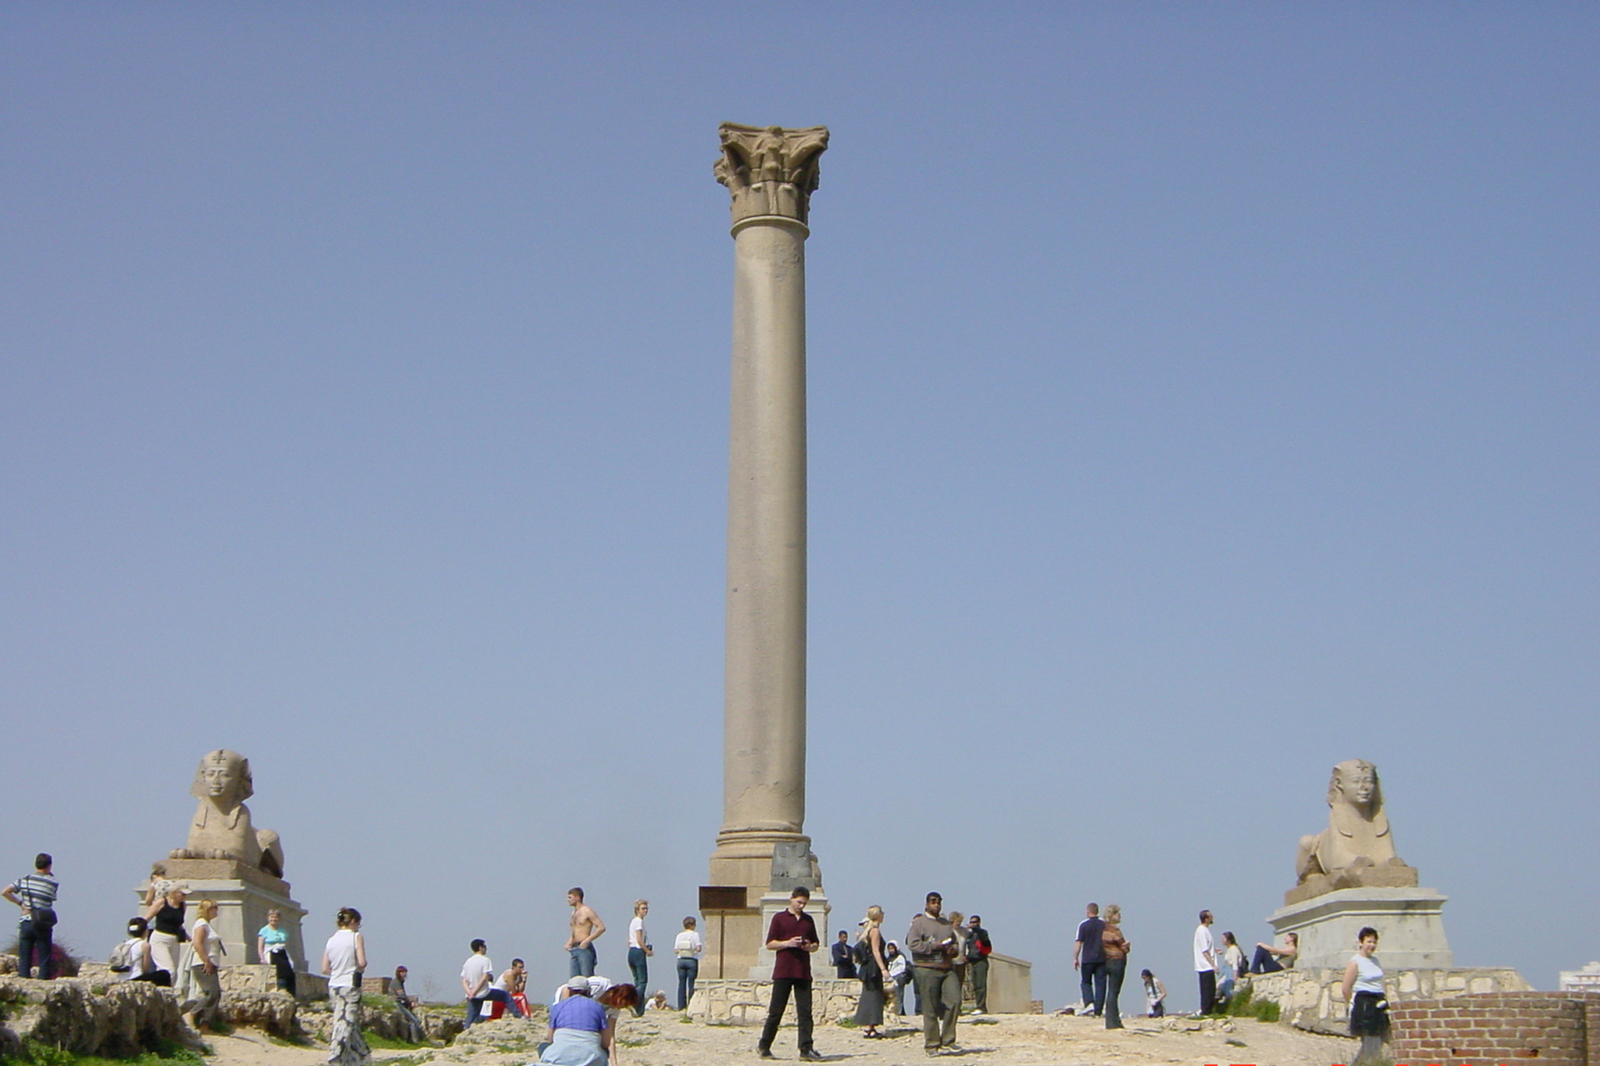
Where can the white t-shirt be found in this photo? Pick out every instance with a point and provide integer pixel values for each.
(597, 985)
(474, 970)
(135, 958)
(688, 944)
(214, 947)
(636, 937)
(1369, 976)
(1202, 944)
(341, 952)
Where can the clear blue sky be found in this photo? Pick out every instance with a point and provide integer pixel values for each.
(1200, 395)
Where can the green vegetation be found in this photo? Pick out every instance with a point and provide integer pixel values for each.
(388, 1043)
(410, 1060)
(169, 1054)
(1243, 1005)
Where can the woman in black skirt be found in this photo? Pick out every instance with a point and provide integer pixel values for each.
(1369, 1010)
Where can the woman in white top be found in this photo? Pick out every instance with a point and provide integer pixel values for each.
(137, 950)
(1363, 988)
(204, 987)
(639, 949)
(687, 947)
(343, 961)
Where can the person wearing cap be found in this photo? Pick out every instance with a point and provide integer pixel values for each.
(579, 1033)
(933, 946)
(166, 916)
(793, 935)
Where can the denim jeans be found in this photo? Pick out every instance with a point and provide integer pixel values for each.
(1092, 983)
(1116, 970)
(1264, 962)
(34, 942)
(477, 1013)
(781, 987)
(688, 973)
(639, 963)
(583, 962)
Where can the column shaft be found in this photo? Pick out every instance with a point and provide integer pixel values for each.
(764, 725)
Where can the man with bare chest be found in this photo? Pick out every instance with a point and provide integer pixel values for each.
(586, 929)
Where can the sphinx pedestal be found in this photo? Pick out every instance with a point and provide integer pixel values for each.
(243, 895)
(1409, 921)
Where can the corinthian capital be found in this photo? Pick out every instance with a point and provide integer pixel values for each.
(770, 170)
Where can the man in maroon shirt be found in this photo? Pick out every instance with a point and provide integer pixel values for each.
(793, 935)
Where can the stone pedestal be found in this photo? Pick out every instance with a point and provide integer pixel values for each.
(1409, 922)
(1311, 998)
(243, 895)
(771, 903)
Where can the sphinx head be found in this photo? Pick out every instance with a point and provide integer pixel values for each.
(224, 778)
(1355, 784)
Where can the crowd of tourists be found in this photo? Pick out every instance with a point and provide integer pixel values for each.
(944, 961)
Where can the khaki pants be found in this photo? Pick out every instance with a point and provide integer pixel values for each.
(941, 1004)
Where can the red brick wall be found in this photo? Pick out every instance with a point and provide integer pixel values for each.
(1498, 1029)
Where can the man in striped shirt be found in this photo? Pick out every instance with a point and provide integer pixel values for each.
(36, 895)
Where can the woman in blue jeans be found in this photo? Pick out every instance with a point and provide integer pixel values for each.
(639, 950)
(687, 947)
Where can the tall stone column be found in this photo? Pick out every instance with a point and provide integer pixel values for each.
(771, 173)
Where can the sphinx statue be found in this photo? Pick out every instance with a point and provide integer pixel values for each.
(1357, 848)
(221, 828)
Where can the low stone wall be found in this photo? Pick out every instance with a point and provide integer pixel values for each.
(1555, 1028)
(260, 977)
(1309, 999)
(745, 1002)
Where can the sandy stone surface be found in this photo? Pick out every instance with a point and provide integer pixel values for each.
(1010, 1040)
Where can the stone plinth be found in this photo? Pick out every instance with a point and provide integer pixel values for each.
(1309, 998)
(263, 977)
(1409, 922)
(745, 1002)
(244, 895)
(1389, 875)
(771, 904)
(1010, 986)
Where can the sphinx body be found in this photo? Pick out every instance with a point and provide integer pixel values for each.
(1357, 847)
(221, 828)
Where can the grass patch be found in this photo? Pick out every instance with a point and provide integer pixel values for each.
(1244, 1005)
(849, 1023)
(168, 1054)
(641, 1042)
(409, 1060)
(388, 1043)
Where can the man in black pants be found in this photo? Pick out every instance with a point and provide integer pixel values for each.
(793, 935)
(1205, 963)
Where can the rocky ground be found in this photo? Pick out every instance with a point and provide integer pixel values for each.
(661, 1039)
(94, 1018)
